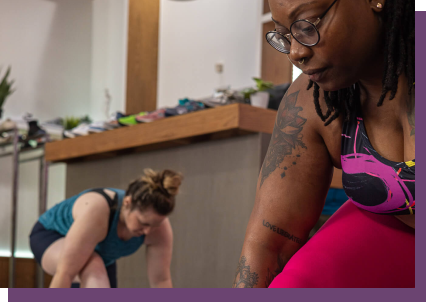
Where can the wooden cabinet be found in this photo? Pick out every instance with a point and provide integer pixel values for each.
(266, 8)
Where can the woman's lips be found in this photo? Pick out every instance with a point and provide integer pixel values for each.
(315, 75)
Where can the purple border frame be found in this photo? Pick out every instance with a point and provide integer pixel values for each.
(347, 295)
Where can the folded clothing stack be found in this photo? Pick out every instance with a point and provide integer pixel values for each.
(185, 106)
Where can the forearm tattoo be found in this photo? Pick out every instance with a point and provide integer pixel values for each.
(286, 137)
(244, 278)
(271, 275)
(281, 232)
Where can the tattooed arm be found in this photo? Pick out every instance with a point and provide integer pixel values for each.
(291, 191)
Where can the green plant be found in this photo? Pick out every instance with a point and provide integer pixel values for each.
(72, 122)
(248, 92)
(261, 85)
(85, 119)
(5, 88)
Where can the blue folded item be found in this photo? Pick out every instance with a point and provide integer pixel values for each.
(185, 106)
(191, 105)
(335, 198)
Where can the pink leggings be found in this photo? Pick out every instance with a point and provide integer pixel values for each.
(356, 249)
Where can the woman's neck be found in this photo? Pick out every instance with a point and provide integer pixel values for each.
(122, 231)
(371, 91)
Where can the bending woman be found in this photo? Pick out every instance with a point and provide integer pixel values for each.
(353, 109)
(79, 239)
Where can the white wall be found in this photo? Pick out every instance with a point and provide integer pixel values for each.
(195, 35)
(48, 45)
(109, 55)
(63, 54)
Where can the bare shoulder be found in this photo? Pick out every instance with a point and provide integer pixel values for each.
(305, 96)
(299, 133)
(295, 139)
(92, 205)
(161, 235)
(297, 112)
(331, 134)
(91, 211)
(305, 99)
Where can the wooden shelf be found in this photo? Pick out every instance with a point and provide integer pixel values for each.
(209, 124)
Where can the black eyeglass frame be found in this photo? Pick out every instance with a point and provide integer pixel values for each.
(289, 35)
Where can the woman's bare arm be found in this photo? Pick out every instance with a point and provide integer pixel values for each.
(291, 191)
(159, 255)
(91, 217)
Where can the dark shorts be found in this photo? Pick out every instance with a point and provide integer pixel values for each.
(41, 239)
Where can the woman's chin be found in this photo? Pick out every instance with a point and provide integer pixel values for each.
(334, 86)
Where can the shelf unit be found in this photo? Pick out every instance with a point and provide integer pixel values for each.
(15, 149)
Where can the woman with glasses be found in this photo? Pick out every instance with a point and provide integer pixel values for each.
(353, 109)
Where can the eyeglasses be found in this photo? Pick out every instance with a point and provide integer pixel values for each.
(304, 31)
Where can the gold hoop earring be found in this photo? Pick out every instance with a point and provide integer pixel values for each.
(302, 61)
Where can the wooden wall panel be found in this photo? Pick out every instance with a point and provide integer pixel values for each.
(275, 65)
(26, 270)
(25, 273)
(4, 271)
(266, 8)
(142, 56)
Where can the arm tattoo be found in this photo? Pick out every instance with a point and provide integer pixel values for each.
(281, 232)
(243, 277)
(286, 136)
(271, 275)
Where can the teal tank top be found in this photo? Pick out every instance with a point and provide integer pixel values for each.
(59, 218)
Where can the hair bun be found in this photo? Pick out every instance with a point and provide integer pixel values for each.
(167, 181)
(171, 181)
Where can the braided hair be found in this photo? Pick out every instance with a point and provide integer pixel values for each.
(399, 26)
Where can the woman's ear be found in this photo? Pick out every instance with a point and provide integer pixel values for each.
(377, 5)
(127, 201)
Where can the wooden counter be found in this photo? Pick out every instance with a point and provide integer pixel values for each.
(210, 124)
(206, 125)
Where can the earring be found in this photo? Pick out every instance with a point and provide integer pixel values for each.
(379, 5)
